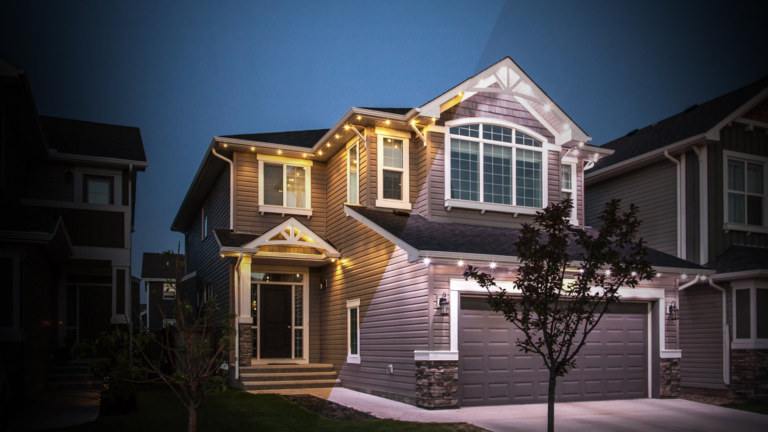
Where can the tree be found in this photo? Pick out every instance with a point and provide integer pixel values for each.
(555, 303)
(193, 354)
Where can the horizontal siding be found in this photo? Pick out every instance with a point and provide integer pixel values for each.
(701, 337)
(247, 217)
(653, 190)
(94, 227)
(49, 182)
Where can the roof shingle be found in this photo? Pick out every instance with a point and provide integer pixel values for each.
(93, 139)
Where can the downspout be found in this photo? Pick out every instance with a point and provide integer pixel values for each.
(237, 321)
(701, 153)
(680, 206)
(231, 187)
(726, 337)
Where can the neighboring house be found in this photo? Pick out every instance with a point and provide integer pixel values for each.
(346, 246)
(700, 179)
(159, 280)
(67, 190)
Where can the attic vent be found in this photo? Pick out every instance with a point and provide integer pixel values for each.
(691, 108)
(632, 132)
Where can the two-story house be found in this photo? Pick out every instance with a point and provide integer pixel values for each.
(159, 282)
(346, 246)
(700, 180)
(68, 189)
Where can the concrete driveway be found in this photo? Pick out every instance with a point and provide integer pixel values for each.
(623, 415)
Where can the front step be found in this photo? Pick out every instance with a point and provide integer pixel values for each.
(283, 376)
(72, 377)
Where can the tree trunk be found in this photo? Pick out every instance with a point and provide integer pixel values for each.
(192, 419)
(551, 402)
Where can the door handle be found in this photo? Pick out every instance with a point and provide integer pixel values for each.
(289, 326)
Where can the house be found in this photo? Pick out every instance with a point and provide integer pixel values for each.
(68, 189)
(346, 246)
(158, 276)
(700, 179)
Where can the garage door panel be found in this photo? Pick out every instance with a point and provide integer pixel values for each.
(611, 365)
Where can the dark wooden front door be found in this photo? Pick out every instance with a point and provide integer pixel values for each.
(275, 321)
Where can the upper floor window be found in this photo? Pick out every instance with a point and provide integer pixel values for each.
(745, 189)
(353, 173)
(496, 166)
(568, 187)
(285, 185)
(98, 189)
(393, 167)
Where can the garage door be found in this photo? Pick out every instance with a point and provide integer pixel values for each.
(492, 370)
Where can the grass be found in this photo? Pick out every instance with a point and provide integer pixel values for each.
(159, 410)
(756, 406)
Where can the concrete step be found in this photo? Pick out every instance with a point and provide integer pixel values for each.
(300, 384)
(286, 376)
(287, 368)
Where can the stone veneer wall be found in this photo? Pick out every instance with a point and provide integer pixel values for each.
(670, 377)
(437, 384)
(749, 373)
(246, 344)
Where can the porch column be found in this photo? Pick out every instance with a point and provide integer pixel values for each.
(244, 319)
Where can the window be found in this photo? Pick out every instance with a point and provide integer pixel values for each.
(745, 190)
(393, 165)
(203, 223)
(206, 294)
(353, 331)
(284, 185)
(750, 326)
(169, 291)
(568, 188)
(353, 173)
(98, 189)
(495, 167)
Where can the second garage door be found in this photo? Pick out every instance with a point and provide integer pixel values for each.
(492, 370)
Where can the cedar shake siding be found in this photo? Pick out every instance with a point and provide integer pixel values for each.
(652, 190)
(203, 254)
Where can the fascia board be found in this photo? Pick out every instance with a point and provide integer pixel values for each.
(248, 144)
(740, 275)
(345, 119)
(714, 133)
(188, 197)
(53, 154)
(683, 270)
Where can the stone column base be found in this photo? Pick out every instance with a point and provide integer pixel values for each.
(670, 377)
(437, 384)
(245, 333)
(749, 373)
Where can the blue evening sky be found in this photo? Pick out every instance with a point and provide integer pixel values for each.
(186, 71)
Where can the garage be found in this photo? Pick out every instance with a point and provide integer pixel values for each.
(612, 365)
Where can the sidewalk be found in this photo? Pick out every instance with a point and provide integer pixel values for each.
(56, 409)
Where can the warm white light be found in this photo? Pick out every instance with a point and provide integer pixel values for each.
(279, 152)
(581, 144)
(320, 152)
(493, 265)
(427, 261)
(328, 144)
(581, 270)
(434, 119)
(703, 277)
(460, 263)
(337, 136)
(634, 274)
(359, 117)
(387, 122)
(346, 127)
(253, 148)
(225, 145)
(303, 155)
(576, 152)
(658, 274)
(684, 276)
(608, 272)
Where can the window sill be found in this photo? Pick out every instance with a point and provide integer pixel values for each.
(483, 207)
(745, 228)
(264, 208)
(354, 359)
(400, 205)
(749, 344)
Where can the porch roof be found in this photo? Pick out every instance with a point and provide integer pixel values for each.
(426, 237)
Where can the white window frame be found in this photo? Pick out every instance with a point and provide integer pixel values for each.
(284, 209)
(382, 134)
(13, 332)
(353, 358)
(752, 342)
(173, 287)
(572, 190)
(746, 158)
(480, 204)
(355, 143)
(80, 176)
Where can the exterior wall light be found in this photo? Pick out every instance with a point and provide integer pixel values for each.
(443, 306)
(673, 312)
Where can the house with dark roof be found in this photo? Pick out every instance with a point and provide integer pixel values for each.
(68, 193)
(158, 278)
(700, 180)
(341, 250)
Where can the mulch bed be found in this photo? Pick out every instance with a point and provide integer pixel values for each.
(329, 409)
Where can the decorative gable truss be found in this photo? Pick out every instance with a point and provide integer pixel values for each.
(289, 240)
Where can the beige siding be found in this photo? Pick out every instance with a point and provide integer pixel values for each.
(247, 217)
(653, 190)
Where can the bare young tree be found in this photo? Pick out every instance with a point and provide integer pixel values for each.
(557, 315)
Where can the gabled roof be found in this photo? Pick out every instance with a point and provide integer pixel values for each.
(84, 138)
(305, 138)
(695, 121)
(740, 259)
(426, 238)
(400, 111)
(158, 266)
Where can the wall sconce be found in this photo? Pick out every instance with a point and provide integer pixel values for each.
(673, 311)
(323, 284)
(442, 304)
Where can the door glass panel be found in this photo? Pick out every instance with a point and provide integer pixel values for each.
(255, 304)
(298, 343)
(298, 305)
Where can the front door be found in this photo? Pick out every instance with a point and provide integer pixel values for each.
(275, 321)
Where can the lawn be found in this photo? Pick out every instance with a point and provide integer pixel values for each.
(158, 410)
